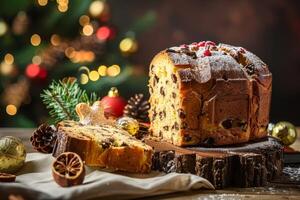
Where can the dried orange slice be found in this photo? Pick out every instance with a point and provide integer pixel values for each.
(68, 169)
(4, 177)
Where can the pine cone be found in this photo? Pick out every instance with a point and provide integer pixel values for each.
(43, 139)
(137, 108)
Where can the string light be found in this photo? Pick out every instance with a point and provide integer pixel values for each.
(94, 75)
(9, 59)
(96, 8)
(103, 33)
(35, 40)
(88, 30)
(11, 109)
(36, 60)
(55, 40)
(102, 70)
(42, 2)
(3, 28)
(84, 79)
(32, 70)
(128, 45)
(84, 20)
(5, 68)
(113, 70)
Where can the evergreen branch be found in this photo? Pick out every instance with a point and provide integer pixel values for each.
(60, 104)
(61, 99)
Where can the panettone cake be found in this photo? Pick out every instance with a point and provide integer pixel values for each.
(208, 94)
(104, 146)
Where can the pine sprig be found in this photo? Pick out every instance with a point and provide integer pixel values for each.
(62, 97)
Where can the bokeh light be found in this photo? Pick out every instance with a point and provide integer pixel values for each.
(84, 79)
(11, 109)
(128, 45)
(9, 59)
(96, 8)
(89, 56)
(62, 8)
(36, 60)
(102, 70)
(43, 73)
(62, 2)
(70, 52)
(82, 56)
(88, 30)
(103, 33)
(35, 40)
(55, 40)
(32, 70)
(5, 68)
(84, 68)
(3, 27)
(42, 2)
(84, 20)
(94, 75)
(113, 70)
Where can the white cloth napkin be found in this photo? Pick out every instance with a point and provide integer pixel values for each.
(35, 181)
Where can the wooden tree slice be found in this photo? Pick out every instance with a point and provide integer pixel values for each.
(245, 165)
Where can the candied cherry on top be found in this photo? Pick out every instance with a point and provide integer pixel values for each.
(206, 52)
(201, 44)
(210, 43)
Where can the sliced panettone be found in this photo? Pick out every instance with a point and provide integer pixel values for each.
(104, 146)
(208, 94)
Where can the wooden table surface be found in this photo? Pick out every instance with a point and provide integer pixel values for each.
(272, 191)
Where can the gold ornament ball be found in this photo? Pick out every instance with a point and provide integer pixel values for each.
(12, 154)
(128, 124)
(286, 132)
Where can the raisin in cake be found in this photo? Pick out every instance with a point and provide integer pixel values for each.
(209, 94)
(104, 146)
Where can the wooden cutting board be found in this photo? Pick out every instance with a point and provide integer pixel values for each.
(250, 164)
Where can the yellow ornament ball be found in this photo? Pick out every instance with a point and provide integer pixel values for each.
(285, 131)
(128, 124)
(12, 154)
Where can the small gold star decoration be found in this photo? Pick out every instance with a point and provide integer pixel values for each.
(92, 115)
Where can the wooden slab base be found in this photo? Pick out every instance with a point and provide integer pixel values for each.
(246, 165)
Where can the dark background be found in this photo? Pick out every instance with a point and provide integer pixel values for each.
(269, 28)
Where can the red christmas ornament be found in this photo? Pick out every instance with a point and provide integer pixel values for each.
(113, 103)
(201, 44)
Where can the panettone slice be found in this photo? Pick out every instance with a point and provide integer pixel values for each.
(207, 94)
(104, 146)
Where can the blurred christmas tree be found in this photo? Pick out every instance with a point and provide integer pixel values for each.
(44, 40)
